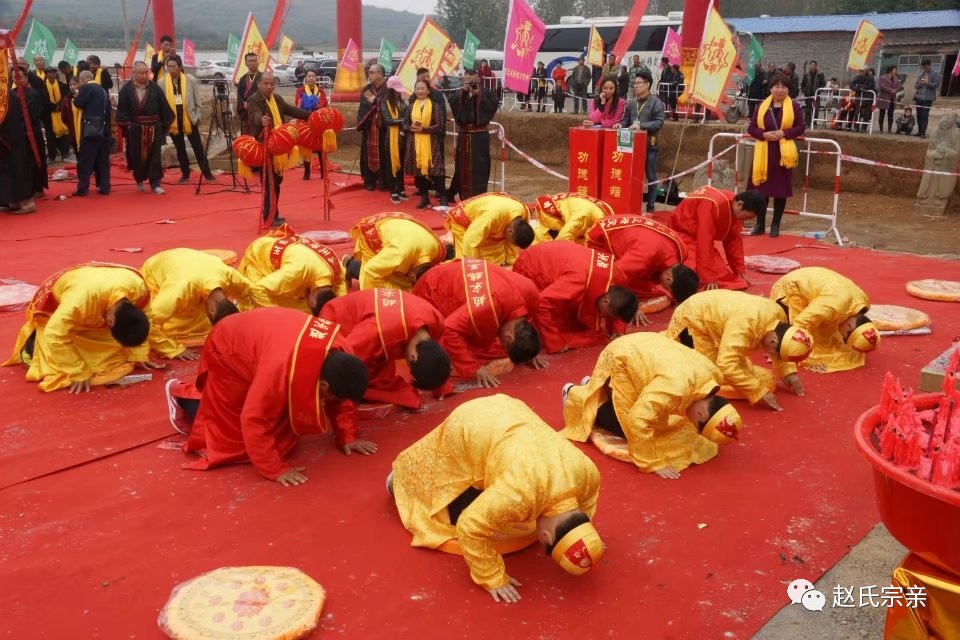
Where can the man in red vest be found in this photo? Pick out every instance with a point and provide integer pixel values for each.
(582, 293)
(710, 215)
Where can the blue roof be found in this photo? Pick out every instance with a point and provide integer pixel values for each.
(883, 21)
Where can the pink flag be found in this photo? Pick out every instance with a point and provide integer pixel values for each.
(525, 32)
(956, 66)
(189, 55)
(351, 56)
(671, 47)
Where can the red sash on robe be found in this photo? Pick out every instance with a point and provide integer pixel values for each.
(459, 215)
(721, 208)
(476, 282)
(44, 302)
(303, 390)
(368, 230)
(598, 234)
(325, 253)
(547, 205)
(391, 319)
(599, 280)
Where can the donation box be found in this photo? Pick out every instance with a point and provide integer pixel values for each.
(586, 149)
(624, 153)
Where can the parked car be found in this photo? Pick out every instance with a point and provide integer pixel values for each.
(208, 71)
(284, 74)
(326, 70)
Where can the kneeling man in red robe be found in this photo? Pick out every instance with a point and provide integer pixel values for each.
(267, 377)
(582, 293)
(710, 215)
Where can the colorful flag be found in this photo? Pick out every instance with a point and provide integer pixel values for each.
(233, 45)
(671, 47)
(525, 32)
(451, 59)
(286, 50)
(148, 52)
(134, 46)
(629, 31)
(595, 48)
(956, 66)
(470, 45)
(189, 53)
(426, 51)
(250, 42)
(70, 52)
(351, 56)
(716, 62)
(387, 49)
(865, 41)
(754, 56)
(6, 51)
(40, 42)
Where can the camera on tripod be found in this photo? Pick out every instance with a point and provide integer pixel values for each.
(221, 92)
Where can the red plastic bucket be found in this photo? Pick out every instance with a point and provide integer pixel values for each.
(925, 518)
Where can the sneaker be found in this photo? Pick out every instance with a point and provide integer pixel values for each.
(394, 198)
(584, 381)
(178, 419)
(403, 196)
(140, 187)
(158, 191)
(566, 391)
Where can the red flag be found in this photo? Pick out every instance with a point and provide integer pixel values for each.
(23, 18)
(629, 31)
(276, 24)
(134, 46)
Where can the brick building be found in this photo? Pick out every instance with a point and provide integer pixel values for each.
(908, 38)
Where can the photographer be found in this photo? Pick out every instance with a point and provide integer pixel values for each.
(183, 96)
(158, 62)
(473, 108)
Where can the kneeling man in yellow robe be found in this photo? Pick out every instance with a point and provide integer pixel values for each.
(491, 226)
(190, 291)
(493, 470)
(660, 396)
(833, 310)
(85, 326)
(727, 326)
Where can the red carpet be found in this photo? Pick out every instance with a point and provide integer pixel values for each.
(94, 550)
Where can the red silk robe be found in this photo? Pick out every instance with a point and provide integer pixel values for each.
(571, 278)
(377, 325)
(251, 407)
(702, 219)
(644, 248)
(476, 298)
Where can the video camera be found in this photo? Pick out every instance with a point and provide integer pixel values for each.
(221, 91)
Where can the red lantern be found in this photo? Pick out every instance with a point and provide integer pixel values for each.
(307, 137)
(337, 124)
(249, 151)
(322, 119)
(282, 140)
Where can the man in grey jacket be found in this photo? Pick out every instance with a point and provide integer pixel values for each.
(927, 86)
(580, 82)
(183, 96)
(645, 113)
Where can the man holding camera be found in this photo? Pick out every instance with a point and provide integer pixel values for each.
(246, 88)
(183, 96)
(158, 63)
(473, 108)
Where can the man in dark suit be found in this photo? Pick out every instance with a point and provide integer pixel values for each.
(247, 87)
(259, 110)
(100, 75)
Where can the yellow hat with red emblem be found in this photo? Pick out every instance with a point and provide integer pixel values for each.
(796, 345)
(724, 426)
(864, 338)
(578, 551)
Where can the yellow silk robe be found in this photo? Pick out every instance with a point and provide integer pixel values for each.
(405, 245)
(300, 271)
(820, 300)
(490, 214)
(578, 213)
(73, 343)
(180, 281)
(653, 381)
(726, 327)
(524, 468)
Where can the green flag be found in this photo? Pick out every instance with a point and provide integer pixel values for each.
(233, 45)
(70, 52)
(386, 55)
(470, 44)
(40, 42)
(754, 56)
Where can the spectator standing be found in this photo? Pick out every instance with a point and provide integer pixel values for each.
(580, 81)
(926, 87)
(645, 113)
(888, 87)
(812, 82)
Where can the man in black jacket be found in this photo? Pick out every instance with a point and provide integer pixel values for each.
(100, 75)
(94, 154)
(812, 82)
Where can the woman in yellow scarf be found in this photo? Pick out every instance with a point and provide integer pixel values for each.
(776, 123)
(425, 147)
(394, 114)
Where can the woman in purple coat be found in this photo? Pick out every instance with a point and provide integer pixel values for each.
(775, 124)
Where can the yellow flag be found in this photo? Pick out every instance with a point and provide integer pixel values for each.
(286, 50)
(250, 42)
(426, 51)
(452, 58)
(716, 61)
(595, 48)
(148, 52)
(864, 42)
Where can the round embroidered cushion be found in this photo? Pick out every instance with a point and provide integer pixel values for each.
(654, 305)
(15, 295)
(890, 317)
(941, 290)
(771, 264)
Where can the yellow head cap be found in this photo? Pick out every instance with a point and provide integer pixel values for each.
(796, 345)
(864, 338)
(578, 551)
(724, 426)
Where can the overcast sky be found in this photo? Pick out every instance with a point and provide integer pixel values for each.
(416, 6)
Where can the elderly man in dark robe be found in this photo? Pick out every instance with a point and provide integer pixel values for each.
(473, 108)
(144, 114)
(373, 135)
(18, 166)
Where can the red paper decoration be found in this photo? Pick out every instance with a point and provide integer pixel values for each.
(249, 151)
(282, 140)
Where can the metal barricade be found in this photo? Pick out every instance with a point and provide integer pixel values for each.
(848, 109)
(746, 140)
(495, 129)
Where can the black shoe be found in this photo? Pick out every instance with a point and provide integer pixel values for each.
(369, 187)
(79, 194)
(443, 201)
(209, 177)
(394, 198)
(424, 202)
(774, 230)
(183, 179)
(403, 196)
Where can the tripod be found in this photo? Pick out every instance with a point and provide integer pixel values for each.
(221, 122)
